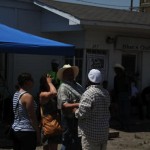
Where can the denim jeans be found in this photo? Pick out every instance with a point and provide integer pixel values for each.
(70, 139)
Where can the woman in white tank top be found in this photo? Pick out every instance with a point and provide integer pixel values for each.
(25, 126)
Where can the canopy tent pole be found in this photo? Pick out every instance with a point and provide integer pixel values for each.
(74, 60)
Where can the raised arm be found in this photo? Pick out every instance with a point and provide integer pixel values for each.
(50, 93)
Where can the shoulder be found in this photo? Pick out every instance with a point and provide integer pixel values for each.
(26, 98)
(88, 91)
(62, 87)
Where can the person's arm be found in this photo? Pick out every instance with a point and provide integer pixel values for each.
(46, 95)
(84, 107)
(64, 97)
(70, 105)
(28, 102)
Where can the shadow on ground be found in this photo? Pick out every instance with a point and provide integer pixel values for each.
(135, 125)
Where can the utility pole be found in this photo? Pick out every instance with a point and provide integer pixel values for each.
(131, 5)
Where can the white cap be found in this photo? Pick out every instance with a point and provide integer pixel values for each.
(95, 76)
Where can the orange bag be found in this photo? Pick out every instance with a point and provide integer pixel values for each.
(50, 126)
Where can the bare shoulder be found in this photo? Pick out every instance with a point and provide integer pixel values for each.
(26, 97)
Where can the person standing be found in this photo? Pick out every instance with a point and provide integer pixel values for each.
(26, 131)
(69, 94)
(48, 104)
(93, 114)
(122, 89)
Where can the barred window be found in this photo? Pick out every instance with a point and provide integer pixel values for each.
(78, 62)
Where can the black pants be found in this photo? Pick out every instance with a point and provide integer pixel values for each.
(24, 140)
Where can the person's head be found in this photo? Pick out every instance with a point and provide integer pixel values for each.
(43, 83)
(55, 65)
(94, 76)
(68, 73)
(119, 69)
(25, 80)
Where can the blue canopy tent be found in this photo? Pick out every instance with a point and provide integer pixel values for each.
(16, 41)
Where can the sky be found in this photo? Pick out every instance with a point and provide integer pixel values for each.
(119, 4)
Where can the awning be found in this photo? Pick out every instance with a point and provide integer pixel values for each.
(16, 41)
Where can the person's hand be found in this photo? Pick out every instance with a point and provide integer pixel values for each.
(77, 105)
(74, 109)
(49, 78)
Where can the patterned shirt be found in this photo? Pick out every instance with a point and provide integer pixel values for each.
(69, 92)
(93, 114)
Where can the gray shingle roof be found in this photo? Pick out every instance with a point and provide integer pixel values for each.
(100, 14)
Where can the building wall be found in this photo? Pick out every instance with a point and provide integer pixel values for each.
(37, 65)
(128, 45)
(96, 39)
(145, 5)
(26, 17)
(32, 19)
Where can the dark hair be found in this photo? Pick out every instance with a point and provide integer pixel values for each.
(43, 83)
(24, 77)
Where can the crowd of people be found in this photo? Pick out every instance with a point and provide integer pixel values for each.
(84, 113)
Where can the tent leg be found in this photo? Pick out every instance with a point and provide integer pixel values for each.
(74, 60)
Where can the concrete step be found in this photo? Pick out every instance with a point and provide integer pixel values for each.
(113, 133)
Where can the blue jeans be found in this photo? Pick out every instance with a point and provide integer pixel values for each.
(70, 139)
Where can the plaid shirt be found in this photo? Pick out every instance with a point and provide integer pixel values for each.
(93, 114)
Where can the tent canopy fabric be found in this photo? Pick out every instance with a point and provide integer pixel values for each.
(16, 41)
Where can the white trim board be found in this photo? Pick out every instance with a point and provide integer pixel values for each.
(72, 19)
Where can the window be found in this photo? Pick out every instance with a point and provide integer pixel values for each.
(78, 62)
(99, 60)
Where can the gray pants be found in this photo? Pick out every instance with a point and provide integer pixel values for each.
(88, 145)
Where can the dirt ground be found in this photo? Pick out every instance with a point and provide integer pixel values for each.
(130, 141)
(137, 137)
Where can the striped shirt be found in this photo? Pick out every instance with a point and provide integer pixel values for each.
(93, 114)
(21, 118)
